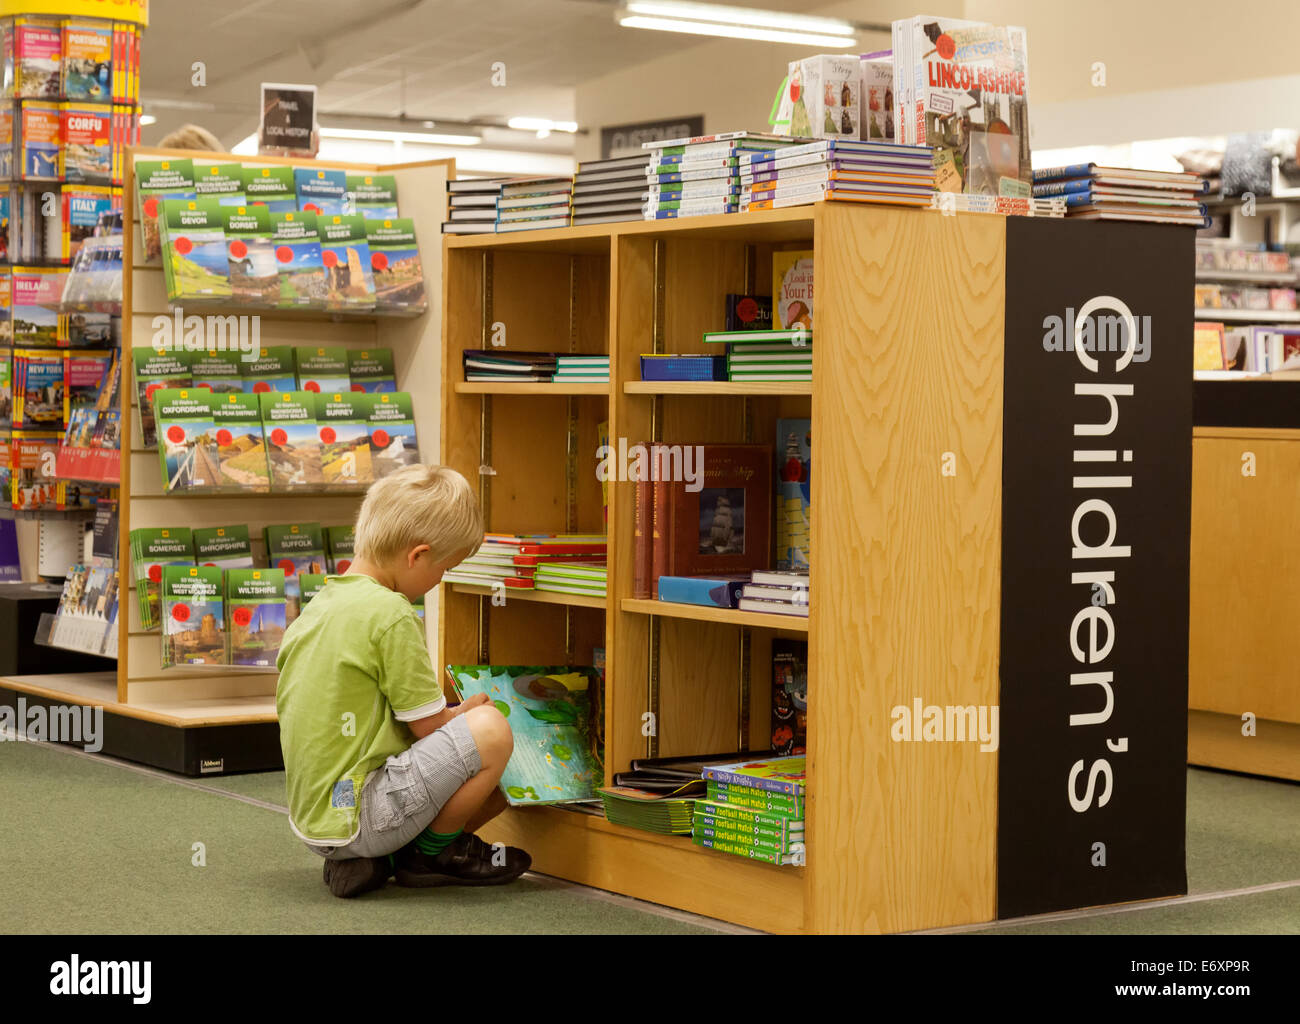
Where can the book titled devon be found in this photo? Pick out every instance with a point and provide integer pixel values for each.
(771, 774)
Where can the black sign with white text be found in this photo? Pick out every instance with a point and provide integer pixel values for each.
(627, 139)
(1096, 519)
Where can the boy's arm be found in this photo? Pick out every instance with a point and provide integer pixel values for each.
(422, 727)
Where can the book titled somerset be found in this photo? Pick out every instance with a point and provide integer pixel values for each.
(152, 550)
(772, 774)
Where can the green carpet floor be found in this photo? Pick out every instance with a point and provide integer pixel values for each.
(104, 849)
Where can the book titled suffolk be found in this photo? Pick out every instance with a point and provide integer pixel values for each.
(772, 774)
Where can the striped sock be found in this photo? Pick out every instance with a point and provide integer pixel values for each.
(432, 843)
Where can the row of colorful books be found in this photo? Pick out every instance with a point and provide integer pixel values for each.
(489, 205)
(29, 481)
(70, 58)
(294, 550)
(561, 563)
(862, 172)
(40, 388)
(31, 311)
(1228, 296)
(279, 188)
(281, 440)
(1217, 254)
(34, 230)
(76, 141)
(250, 256)
(1258, 348)
(321, 369)
(494, 365)
(1092, 192)
(774, 591)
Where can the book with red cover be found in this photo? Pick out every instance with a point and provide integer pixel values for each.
(659, 504)
(641, 554)
(725, 527)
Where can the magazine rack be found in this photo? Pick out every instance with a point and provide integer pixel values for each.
(221, 719)
(906, 581)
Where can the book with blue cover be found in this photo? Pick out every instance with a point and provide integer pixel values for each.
(548, 710)
(710, 591)
(320, 190)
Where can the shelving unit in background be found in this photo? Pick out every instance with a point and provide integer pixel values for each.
(201, 721)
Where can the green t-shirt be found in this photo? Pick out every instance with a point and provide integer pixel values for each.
(353, 667)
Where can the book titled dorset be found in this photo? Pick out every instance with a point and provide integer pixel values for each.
(773, 774)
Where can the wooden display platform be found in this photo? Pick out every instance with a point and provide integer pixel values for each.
(1245, 587)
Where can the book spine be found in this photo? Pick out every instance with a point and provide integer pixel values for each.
(1060, 188)
(786, 786)
(729, 832)
(659, 532)
(737, 850)
(1069, 171)
(641, 553)
(749, 815)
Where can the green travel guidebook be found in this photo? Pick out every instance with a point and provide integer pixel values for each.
(187, 448)
(152, 550)
(255, 615)
(241, 446)
(193, 618)
(549, 713)
(223, 547)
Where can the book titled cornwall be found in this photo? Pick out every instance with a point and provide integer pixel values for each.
(773, 774)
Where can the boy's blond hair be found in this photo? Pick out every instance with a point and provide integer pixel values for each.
(191, 136)
(416, 505)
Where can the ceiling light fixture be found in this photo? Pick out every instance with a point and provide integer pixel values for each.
(541, 124)
(380, 135)
(736, 23)
(148, 119)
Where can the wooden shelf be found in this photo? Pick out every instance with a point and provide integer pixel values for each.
(531, 388)
(700, 613)
(1246, 277)
(1251, 316)
(100, 689)
(540, 596)
(717, 387)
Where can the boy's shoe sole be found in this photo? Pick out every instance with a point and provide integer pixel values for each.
(349, 878)
(468, 861)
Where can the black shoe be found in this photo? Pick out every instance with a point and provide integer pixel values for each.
(467, 861)
(348, 878)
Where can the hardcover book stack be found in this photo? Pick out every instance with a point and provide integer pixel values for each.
(754, 809)
(650, 812)
(776, 592)
(606, 191)
(472, 206)
(494, 365)
(581, 369)
(700, 176)
(1091, 192)
(860, 172)
(772, 355)
(575, 563)
(532, 204)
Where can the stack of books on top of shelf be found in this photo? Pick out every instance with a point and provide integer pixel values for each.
(472, 206)
(605, 191)
(581, 368)
(859, 172)
(499, 366)
(754, 809)
(766, 355)
(700, 176)
(531, 204)
(1121, 193)
(571, 576)
(513, 559)
(777, 592)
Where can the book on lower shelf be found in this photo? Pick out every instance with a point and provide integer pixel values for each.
(647, 811)
(754, 809)
(256, 616)
(192, 610)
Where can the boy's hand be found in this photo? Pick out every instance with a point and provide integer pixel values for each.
(478, 700)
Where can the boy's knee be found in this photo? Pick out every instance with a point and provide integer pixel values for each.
(490, 730)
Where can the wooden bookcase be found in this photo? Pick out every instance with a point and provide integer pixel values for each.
(234, 709)
(899, 838)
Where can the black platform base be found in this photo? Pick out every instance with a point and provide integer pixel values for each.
(202, 750)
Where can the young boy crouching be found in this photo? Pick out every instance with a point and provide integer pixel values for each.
(384, 779)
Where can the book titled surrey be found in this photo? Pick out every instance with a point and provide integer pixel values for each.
(343, 420)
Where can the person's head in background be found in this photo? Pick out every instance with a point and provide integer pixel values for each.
(192, 136)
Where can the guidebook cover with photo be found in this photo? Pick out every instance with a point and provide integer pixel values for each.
(968, 86)
(549, 714)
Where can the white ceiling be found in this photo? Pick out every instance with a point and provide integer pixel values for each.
(427, 59)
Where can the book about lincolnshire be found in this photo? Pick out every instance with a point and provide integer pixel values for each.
(971, 104)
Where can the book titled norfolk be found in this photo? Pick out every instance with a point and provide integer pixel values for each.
(187, 447)
(773, 774)
(343, 418)
(395, 260)
(298, 260)
(255, 616)
(193, 616)
(371, 370)
(345, 254)
(241, 445)
(250, 255)
(223, 547)
(292, 439)
(194, 250)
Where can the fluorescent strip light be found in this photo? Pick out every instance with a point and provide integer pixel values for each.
(736, 32)
(541, 124)
(379, 135)
(747, 17)
(148, 119)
